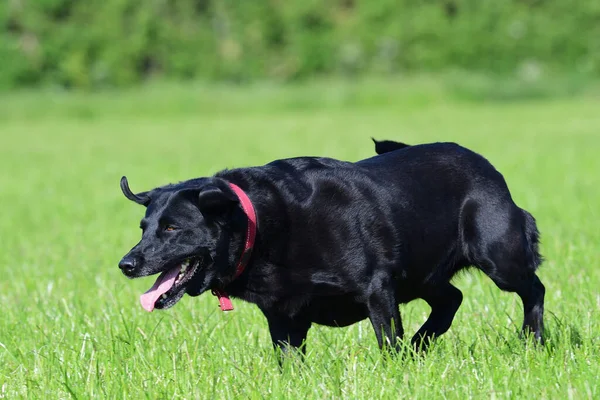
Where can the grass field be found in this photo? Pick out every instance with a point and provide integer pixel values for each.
(71, 324)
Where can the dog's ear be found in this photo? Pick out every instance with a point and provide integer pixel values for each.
(213, 198)
(140, 198)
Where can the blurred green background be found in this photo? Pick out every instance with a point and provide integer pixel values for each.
(106, 43)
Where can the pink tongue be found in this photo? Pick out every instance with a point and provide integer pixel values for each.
(162, 285)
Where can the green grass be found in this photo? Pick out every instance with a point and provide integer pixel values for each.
(71, 324)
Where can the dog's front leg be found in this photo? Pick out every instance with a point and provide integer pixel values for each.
(287, 333)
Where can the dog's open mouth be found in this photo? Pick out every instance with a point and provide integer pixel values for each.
(169, 287)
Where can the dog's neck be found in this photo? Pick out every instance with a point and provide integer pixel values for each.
(266, 260)
(249, 240)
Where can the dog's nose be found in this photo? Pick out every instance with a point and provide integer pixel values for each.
(127, 265)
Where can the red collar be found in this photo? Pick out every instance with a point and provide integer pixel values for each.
(224, 301)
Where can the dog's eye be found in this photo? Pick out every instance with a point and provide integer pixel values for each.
(170, 228)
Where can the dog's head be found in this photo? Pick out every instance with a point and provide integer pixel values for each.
(189, 233)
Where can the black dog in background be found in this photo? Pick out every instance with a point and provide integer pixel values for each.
(338, 242)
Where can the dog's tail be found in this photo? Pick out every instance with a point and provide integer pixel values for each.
(532, 236)
(385, 146)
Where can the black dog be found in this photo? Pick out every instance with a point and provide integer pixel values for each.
(338, 242)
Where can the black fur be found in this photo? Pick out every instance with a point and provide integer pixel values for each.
(339, 242)
(385, 146)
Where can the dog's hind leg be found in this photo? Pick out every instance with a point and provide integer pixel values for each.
(507, 252)
(444, 301)
(385, 315)
(533, 305)
(531, 291)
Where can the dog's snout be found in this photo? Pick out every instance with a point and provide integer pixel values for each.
(127, 265)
